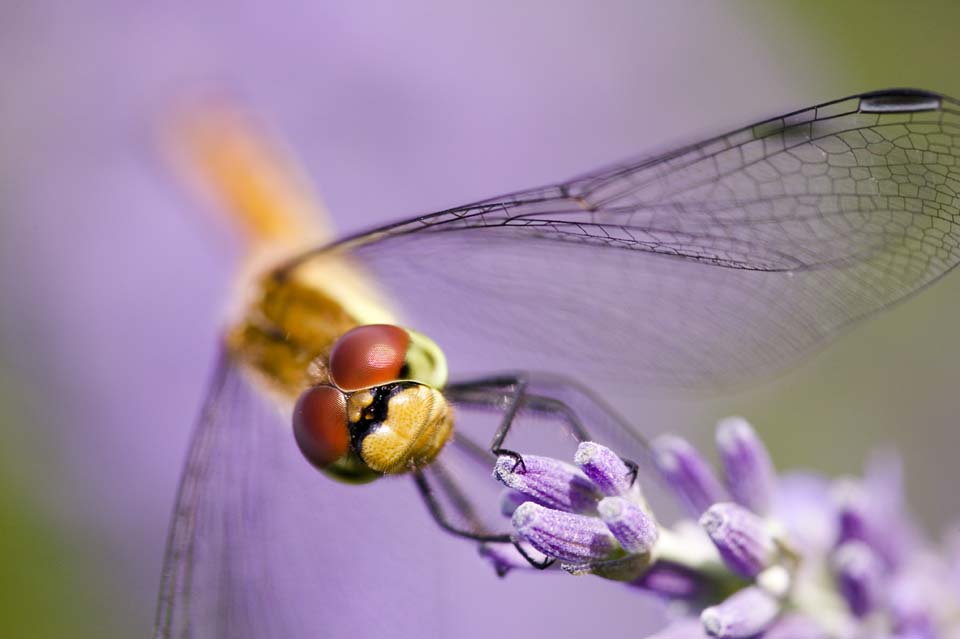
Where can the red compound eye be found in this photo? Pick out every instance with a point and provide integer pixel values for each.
(368, 356)
(320, 425)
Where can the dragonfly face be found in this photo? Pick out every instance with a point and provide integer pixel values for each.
(378, 408)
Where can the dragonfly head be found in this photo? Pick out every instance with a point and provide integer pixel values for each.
(383, 411)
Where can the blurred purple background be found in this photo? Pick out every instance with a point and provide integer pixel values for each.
(113, 282)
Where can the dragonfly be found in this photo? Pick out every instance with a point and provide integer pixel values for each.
(706, 267)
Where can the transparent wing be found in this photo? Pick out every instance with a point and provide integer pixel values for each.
(176, 577)
(705, 267)
(216, 574)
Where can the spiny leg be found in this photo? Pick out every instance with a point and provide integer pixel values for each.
(462, 505)
(513, 406)
(459, 501)
(539, 564)
(512, 392)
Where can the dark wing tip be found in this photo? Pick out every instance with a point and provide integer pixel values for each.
(899, 101)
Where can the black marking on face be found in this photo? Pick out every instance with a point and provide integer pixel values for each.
(374, 415)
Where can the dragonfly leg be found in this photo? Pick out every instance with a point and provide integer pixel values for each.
(513, 392)
(507, 393)
(633, 467)
(533, 561)
(510, 394)
(443, 519)
(550, 405)
(514, 400)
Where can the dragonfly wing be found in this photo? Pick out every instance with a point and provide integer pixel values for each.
(705, 267)
(212, 585)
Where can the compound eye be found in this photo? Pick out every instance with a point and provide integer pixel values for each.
(369, 356)
(320, 425)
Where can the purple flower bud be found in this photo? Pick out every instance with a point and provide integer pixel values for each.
(740, 536)
(852, 510)
(548, 482)
(604, 468)
(751, 478)
(671, 581)
(746, 613)
(636, 531)
(682, 629)
(687, 472)
(795, 626)
(865, 515)
(858, 571)
(568, 537)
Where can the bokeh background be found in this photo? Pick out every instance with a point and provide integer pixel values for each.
(112, 283)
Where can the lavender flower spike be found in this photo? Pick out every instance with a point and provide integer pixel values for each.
(829, 560)
(635, 530)
(687, 472)
(750, 475)
(746, 613)
(604, 468)
(572, 538)
(548, 482)
(740, 536)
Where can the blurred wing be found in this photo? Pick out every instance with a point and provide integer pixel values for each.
(706, 267)
(209, 587)
(263, 545)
